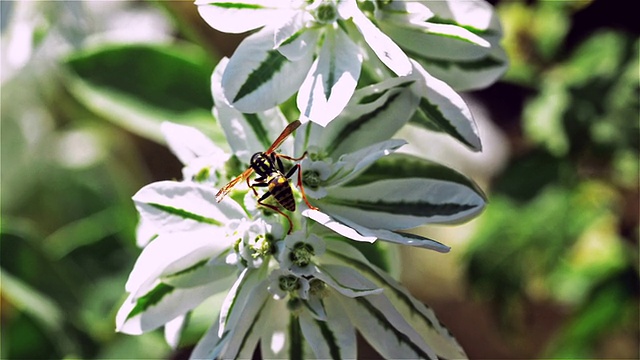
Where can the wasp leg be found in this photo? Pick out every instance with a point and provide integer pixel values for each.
(258, 184)
(304, 197)
(275, 208)
(292, 158)
(260, 180)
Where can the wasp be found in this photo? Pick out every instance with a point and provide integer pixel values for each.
(271, 174)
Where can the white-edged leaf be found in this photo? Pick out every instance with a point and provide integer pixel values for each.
(350, 165)
(209, 345)
(173, 252)
(282, 338)
(404, 11)
(246, 134)
(245, 326)
(438, 41)
(476, 15)
(331, 339)
(386, 50)
(444, 108)
(418, 315)
(373, 114)
(199, 274)
(332, 79)
(188, 143)
(160, 305)
(465, 75)
(354, 231)
(178, 206)
(293, 39)
(173, 331)
(401, 192)
(346, 281)
(385, 329)
(337, 226)
(238, 296)
(240, 16)
(258, 77)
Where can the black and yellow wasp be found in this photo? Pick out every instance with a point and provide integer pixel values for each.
(271, 174)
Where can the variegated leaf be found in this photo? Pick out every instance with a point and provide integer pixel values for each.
(418, 315)
(160, 305)
(385, 329)
(258, 77)
(401, 192)
(443, 109)
(239, 16)
(346, 281)
(465, 75)
(178, 206)
(334, 338)
(332, 78)
(374, 114)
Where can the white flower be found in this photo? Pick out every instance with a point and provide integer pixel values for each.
(297, 251)
(303, 47)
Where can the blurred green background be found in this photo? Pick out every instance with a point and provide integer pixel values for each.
(549, 270)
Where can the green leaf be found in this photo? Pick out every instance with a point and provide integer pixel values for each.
(139, 86)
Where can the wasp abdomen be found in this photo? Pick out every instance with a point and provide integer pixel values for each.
(281, 191)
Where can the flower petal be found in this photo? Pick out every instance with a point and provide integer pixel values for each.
(238, 297)
(258, 77)
(209, 345)
(332, 78)
(354, 231)
(173, 331)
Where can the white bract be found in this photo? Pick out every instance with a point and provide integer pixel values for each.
(308, 47)
(455, 41)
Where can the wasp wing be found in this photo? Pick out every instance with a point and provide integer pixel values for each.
(225, 189)
(285, 133)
